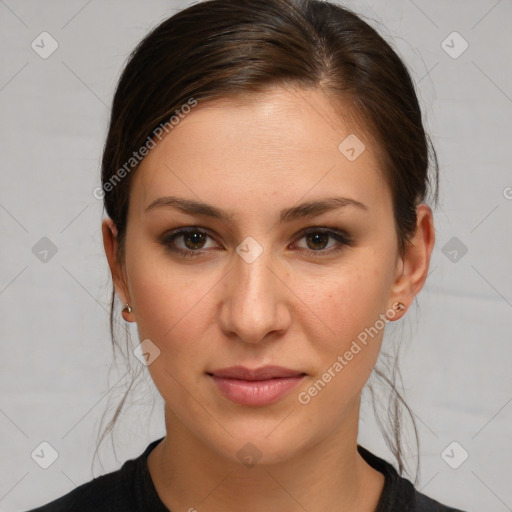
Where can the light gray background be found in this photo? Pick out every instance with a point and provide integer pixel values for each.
(56, 351)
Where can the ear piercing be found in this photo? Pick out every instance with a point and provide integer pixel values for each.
(398, 306)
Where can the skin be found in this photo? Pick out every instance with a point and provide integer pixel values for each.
(289, 307)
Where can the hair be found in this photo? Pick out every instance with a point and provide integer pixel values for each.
(223, 49)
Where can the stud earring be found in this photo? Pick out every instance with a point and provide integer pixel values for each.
(127, 309)
(399, 306)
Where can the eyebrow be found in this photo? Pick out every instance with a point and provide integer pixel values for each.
(307, 209)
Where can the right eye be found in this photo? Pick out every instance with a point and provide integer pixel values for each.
(192, 241)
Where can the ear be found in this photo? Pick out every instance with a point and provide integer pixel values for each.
(412, 267)
(109, 231)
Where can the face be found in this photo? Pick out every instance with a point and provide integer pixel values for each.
(265, 281)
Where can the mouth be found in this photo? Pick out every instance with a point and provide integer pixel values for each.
(263, 373)
(260, 386)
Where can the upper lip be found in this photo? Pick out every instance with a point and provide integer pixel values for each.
(263, 373)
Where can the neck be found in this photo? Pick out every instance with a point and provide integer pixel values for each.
(330, 475)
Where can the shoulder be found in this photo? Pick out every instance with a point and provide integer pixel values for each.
(399, 493)
(425, 504)
(112, 492)
(105, 493)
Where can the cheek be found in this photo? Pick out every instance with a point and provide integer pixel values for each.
(172, 312)
(345, 327)
(345, 300)
(171, 305)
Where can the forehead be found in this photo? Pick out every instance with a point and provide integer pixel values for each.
(246, 150)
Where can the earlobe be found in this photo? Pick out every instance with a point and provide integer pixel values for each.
(412, 269)
(109, 231)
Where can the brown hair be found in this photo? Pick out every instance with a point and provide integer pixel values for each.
(219, 49)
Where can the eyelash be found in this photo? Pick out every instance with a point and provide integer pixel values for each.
(342, 238)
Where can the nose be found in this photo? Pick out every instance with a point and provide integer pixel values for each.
(254, 303)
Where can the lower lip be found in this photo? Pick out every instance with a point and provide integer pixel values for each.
(256, 392)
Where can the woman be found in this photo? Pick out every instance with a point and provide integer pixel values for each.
(265, 176)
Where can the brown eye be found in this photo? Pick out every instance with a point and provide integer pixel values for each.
(194, 240)
(325, 241)
(187, 242)
(318, 240)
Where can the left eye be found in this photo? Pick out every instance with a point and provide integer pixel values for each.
(319, 240)
(194, 241)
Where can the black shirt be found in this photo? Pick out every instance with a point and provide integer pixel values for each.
(130, 489)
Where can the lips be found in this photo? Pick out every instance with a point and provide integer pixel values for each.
(257, 387)
(264, 373)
